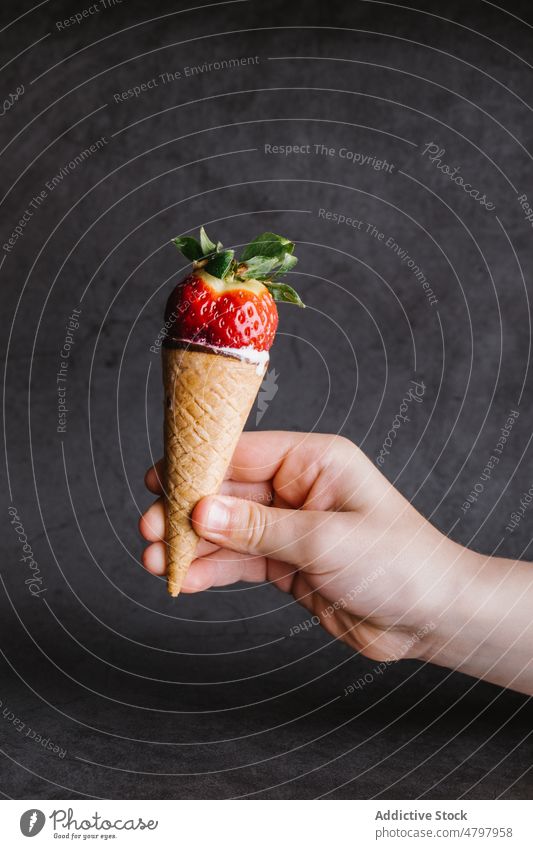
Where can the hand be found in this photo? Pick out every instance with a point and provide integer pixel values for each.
(312, 515)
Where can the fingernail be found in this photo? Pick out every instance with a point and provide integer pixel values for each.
(218, 515)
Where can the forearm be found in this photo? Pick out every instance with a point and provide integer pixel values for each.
(485, 626)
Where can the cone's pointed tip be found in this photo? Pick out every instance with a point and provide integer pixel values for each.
(174, 589)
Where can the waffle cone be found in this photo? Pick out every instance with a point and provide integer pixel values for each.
(208, 398)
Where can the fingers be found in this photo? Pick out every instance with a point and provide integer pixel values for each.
(228, 567)
(261, 492)
(218, 568)
(152, 528)
(154, 557)
(248, 464)
(322, 471)
(294, 536)
(152, 522)
(223, 568)
(259, 455)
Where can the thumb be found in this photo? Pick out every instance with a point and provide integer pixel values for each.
(252, 528)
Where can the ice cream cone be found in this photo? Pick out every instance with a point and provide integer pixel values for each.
(220, 323)
(208, 397)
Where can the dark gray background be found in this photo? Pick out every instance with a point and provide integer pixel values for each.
(209, 696)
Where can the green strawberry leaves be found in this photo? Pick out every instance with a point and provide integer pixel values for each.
(258, 268)
(266, 258)
(208, 247)
(220, 264)
(189, 247)
(267, 244)
(197, 250)
(287, 264)
(283, 292)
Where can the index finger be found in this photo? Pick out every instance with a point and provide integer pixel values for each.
(251, 490)
(322, 471)
(256, 459)
(260, 453)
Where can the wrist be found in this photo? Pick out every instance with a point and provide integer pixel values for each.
(461, 589)
(442, 598)
(484, 627)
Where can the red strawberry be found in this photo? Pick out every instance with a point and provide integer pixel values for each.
(223, 314)
(228, 303)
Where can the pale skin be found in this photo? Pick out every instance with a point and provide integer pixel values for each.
(312, 515)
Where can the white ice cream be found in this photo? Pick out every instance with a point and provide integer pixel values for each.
(248, 353)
